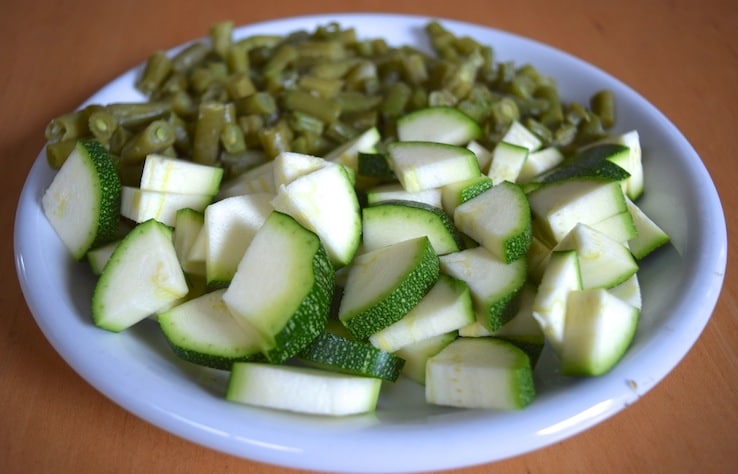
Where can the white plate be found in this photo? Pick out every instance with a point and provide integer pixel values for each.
(137, 370)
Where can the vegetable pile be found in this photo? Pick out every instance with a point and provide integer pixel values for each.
(320, 214)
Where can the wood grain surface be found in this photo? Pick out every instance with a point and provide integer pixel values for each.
(681, 55)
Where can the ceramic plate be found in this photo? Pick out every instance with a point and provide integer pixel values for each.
(137, 370)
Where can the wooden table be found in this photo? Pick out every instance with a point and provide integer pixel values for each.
(682, 56)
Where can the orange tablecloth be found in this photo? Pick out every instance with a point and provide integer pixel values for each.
(681, 55)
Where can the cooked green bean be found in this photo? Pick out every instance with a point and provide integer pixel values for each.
(102, 125)
(155, 138)
(57, 152)
(221, 37)
(155, 73)
(603, 105)
(324, 109)
(190, 56)
(231, 137)
(280, 60)
(320, 86)
(211, 118)
(301, 122)
(276, 139)
(240, 85)
(395, 100)
(134, 115)
(67, 126)
(352, 102)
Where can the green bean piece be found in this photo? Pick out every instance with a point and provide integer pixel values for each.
(554, 113)
(324, 109)
(340, 132)
(176, 82)
(258, 41)
(118, 140)
(184, 105)
(274, 140)
(320, 86)
(68, 126)
(362, 120)
(466, 45)
(283, 56)
(333, 69)
(102, 125)
(590, 130)
(136, 114)
(503, 113)
(239, 85)
(57, 152)
(259, 103)
(251, 124)
(235, 164)
(221, 37)
(395, 99)
(576, 113)
(362, 77)
(204, 77)
(182, 134)
(232, 139)
(603, 105)
(301, 122)
(442, 97)
(322, 50)
(414, 69)
(237, 59)
(564, 135)
(539, 129)
(211, 118)
(155, 73)
(155, 138)
(418, 99)
(353, 102)
(189, 57)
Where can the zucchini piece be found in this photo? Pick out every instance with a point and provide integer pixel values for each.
(499, 219)
(441, 124)
(485, 373)
(288, 166)
(446, 307)
(166, 174)
(259, 179)
(394, 221)
(142, 277)
(229, 227)
(598, 330)
(374, 165)
(484, 156)
(494, 284)
(187, 226)
(539, 162)
(425, 165)
(99, 256)
(325, 202)
(649, 236)
(203, 331)
(395, 192)
(518, 134)
(603, 262)
(140, 205)
(563, 204)
(82, 203)
(334, 352)
(282, 287)
(507, 162)
(454, 194)
(629, 291)
(347, 153)
(620, 227)
(560, 277)
(417, 354)
(385, 284)
(599, 161)
(302, 389)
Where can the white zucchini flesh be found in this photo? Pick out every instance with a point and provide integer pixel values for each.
(539, 162)
(518, 134)
(485, 373)
(325, 202)
(561, 205)
(259, 179)
(416, 355)
(187, 226)
(166, 174)
(522, 327)
(140, 205)
(598, 330)
(603, 262)
(649, 236)
(99, 256)
(142, 277)
(347, 154)
(507, 162)
(446, 307)
(395, 192)
(230, 225)
(493, 283)
(282, 287)
(484, 156)
(289, 166)
(425, 165)
(560, 277)
(82, 203)
(439, 124)
(302, 389)
(203, 331)
(499, 219)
